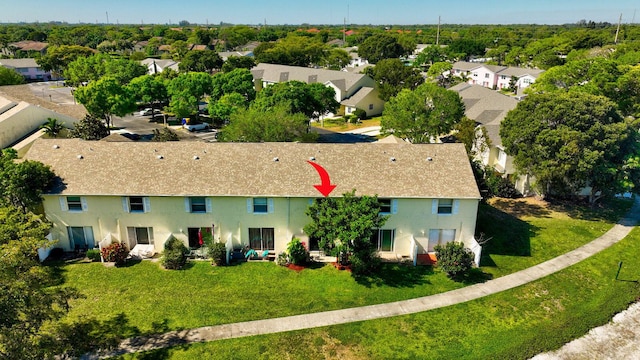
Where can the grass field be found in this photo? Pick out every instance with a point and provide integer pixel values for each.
(341, 125)
(523, 234)
(515, 324)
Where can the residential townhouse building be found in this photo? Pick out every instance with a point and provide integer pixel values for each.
(353, 91)
(253, 194)
(494, 76)
(28, 68)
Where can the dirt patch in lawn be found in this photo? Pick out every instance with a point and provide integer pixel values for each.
(529, 206)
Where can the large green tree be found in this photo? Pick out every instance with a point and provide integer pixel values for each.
(572, 140)
(423, 114)
(23, 183)
(149, 89)
(90, 128)
(382, 46)
(201, 61)
(293, 50)
(344, 227)
(106, 97)
(238, 62)
(276, 124)
(10, 77)
(58, 57)
(392, 76)
(92, 68)
(311, 100)
(238, 81)
(186, 90)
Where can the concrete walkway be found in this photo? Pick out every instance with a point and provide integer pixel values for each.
(405, 307)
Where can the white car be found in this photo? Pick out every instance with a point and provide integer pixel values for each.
(145, 112)
(196, 127)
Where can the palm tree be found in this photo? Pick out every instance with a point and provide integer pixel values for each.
(52, 127)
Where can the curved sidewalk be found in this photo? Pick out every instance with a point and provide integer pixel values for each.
(404, 307)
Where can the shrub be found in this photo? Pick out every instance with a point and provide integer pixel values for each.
(116, 252)
(175, 254)
(361, 114)
(218, 253)
(282, 259)
(499, 186)
(454, 259)
(365, 262)
(93, 254)
(298, 254)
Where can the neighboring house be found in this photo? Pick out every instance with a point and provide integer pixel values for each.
(155, 66)
(253, 194)
(336, 43)
(28, 68)
(27, 46)
(356, 60)
(224, 55)
(488, 108)
(352, 90)
(20, 119)
(494, 76)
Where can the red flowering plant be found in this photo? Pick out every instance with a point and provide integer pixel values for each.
(116, 252)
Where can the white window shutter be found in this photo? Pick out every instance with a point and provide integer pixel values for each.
(187, 204)
(83, 201)
(147, 204)
(208, 205)
(63, 203)
(270, 205)
(434, 206)
(131, 233)
(394, 206)
(151, 236)
(125, 204)
(456, 205)
(250, 205)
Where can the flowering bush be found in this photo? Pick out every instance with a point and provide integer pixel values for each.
(298, 253)
(454, 259)
(116, 252)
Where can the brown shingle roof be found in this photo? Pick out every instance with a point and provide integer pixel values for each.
(251, 169)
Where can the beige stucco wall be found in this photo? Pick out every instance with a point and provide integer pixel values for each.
(24, 119)
(167, 215)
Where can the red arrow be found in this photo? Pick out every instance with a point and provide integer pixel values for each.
(325, 187)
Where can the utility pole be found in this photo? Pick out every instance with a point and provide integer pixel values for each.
(615, 41)
(438, 33)
(106, 12)
(344, 31)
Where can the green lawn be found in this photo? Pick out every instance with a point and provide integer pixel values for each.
(155, 300)
(514, 324)
(341, 125)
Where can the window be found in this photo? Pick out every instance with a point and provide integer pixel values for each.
(261, 239)
(370, 106)
(197, 204)
(80, 237)
(388, 206)
(260, 205)
(73, 203)
(384, 239)
(439, 237)
(486, 76)
(445, 206)
(140, 235)
(503, 77)
(136, 204)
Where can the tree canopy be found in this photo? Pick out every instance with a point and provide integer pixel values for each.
(106, 97)
(312, 100)
(382, 46)
(92, 68)
(423, 114)
(266, 125)
(345, 226)
(23, 183)
(238, 81)
(186, 90)
(201, 61)
(572, 140)
(90, 128)
(10, 77)
(392, 76)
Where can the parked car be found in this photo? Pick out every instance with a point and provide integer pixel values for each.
(145, 112)
(196, 127)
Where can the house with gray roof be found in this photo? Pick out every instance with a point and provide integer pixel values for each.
(155, 66)
(253, 194)
(488, 108)
(28, 68)
(353, 91)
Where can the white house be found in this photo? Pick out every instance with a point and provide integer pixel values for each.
(494, 76)
(155, 66)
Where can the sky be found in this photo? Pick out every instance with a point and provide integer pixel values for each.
(293, 12)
